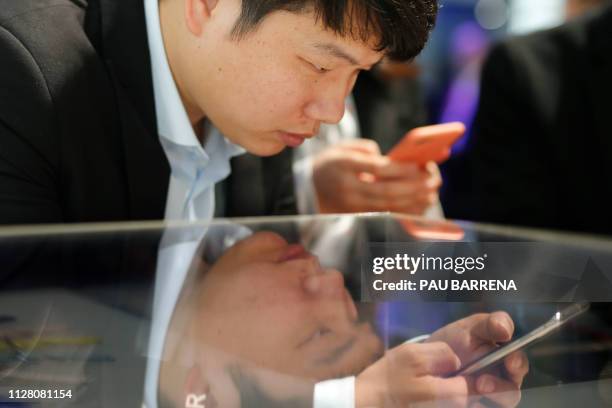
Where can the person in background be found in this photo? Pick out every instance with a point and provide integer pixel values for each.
(541, 148)
(340, 172)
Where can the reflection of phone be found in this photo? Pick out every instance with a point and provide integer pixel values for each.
(558, 320)
(432, 229)
(429, 143)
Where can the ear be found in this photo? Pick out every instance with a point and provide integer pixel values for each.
(197, 12)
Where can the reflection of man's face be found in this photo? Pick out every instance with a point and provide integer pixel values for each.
(272, 305)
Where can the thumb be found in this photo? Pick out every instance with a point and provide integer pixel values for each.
(365, 163)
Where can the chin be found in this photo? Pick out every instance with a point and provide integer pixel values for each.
(265, 148)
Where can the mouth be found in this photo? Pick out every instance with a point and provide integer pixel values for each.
(294, 139)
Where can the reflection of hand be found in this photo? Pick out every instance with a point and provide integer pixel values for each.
(475, 336)
(411, 374)
(355, 177)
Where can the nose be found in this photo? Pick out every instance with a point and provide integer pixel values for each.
(334, 306)
(334, 288)
(328, 105)
(328, 284)
(333, 284)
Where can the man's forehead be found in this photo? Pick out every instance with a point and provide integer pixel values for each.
(311, 30)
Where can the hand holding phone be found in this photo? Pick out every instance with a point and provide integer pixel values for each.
(555, 322)
(429, 143)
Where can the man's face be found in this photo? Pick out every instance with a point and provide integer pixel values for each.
(258, 304)
(274, 87)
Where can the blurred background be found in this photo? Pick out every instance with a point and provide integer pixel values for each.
(442, 85)
(452, 62)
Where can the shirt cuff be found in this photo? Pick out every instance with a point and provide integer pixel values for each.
(305, 193)
(339, 393)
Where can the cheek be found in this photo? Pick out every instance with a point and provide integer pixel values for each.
(267, 89)
(276, 98)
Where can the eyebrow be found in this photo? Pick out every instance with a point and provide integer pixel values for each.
(335, 51)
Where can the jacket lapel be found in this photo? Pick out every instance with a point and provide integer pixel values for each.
(122, 42)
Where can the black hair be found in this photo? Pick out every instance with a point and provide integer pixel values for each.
(401, 27)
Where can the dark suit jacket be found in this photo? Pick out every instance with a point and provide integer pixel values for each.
(78, 137)
(543, 142)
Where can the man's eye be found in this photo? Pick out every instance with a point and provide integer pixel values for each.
(320, 69)
(314, 66)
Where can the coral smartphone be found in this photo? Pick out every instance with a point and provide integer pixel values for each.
(429, 143)
(558, 320)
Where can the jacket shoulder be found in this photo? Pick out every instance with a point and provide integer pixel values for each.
(10, 9)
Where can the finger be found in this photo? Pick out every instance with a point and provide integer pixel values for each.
(517, 367)
(366, 146)
(402, 170)
(442, 156)
(394, 190)
(432, 168)
(435, 358)
(433, 183)
(359, 162)
(502, 392)
(434, 173)
(494, 327)
(446, 392)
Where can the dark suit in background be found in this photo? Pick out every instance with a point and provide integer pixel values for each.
(542, 147)
(78, 134)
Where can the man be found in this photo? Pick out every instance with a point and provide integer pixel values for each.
(81, 113)
(542, 134)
